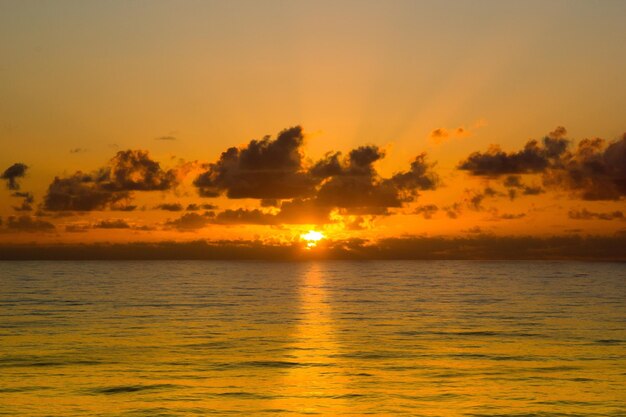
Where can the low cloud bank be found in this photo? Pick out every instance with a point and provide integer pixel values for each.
(416, 248)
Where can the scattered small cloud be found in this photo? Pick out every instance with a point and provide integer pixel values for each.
(28, 224)
(585, 214)
(170, 207)
(112, 224)
(12, 175)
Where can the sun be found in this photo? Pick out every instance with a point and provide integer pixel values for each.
(312, 237)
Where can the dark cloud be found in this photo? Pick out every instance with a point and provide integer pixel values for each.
(133, 170)
(196, 207)
(585, 214)
(28, 224)
(453, 211)
(245, 216)
(303, 211)
(127, 171)
(273, 170)
(77, 228)
(123, 207)
(512, 216)
(13, 173)
(594, 170)
(496, 162)
(478, 246)
(167, 138)
(427, 211)
(263, 169)
(534, 158)
(80, 192)
(354, 183)
(170, 207)
(516, 186)
(270, 202)
(112, 224)
(191, 221)
(78, 150)
(27, 202)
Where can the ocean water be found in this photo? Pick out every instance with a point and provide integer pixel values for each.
(516, 339)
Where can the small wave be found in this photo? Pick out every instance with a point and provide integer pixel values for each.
(244, 395)
(123, 389)
(608, 342)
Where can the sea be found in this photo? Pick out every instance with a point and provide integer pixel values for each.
(329, 338)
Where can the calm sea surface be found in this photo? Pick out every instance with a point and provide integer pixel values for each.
(326, 338)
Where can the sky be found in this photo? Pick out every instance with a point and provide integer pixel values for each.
(257, 121)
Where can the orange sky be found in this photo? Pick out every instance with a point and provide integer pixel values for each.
(141, 99)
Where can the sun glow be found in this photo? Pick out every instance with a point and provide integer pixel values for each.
(311, 238)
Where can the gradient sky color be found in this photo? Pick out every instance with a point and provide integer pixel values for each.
(81, 81)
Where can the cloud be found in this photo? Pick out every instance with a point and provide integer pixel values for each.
(170, 207)
(303, 211)
(127, 171)
(516, 186)
(77, 228)
(245, 216)
(80, 192)
(27, 202)
(273, 170)
(133, 170)
(594, 170)
(585, 214)
(442, 134)
(427, 211)
(112, 224)
(28, 224)
(354, 184)
(477, 246)
(123, 207)
(511, 216)
(453, 211)
(439, 134)
(166, 138)
(78, 150)
(196, 207)
(495, 162)
(191, 221)
(263, 169)
(13, 173)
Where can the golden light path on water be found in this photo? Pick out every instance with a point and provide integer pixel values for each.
(312, 388)
(466, 339)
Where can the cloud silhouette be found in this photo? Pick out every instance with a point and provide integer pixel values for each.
(475, 246)
(127, 171)
(245, 216)
(27, 202)
(427, 211)
(273, 170)
(263, 169)
(112, 224)
(354, 184)
(170, 207)
(13, 173)
(196, 207)
(594, 170)
(191, 221)
(28, 224)
(585, 214)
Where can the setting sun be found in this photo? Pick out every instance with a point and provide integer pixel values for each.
(312, 237)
